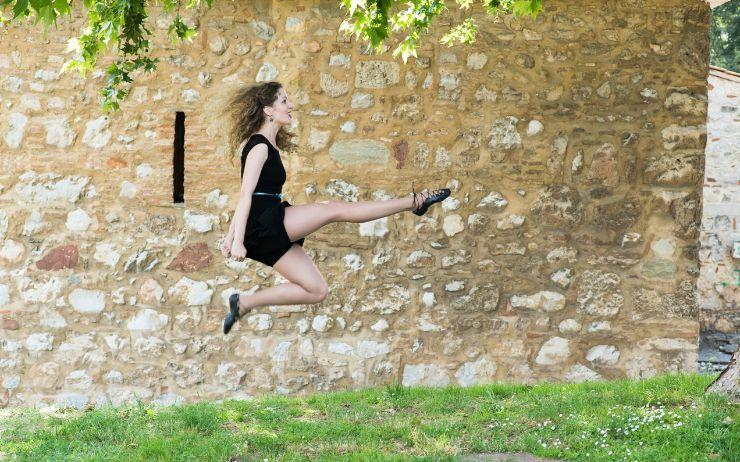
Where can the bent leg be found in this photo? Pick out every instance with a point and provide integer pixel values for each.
(306, 284)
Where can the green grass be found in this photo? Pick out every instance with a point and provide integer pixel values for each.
(668, 418)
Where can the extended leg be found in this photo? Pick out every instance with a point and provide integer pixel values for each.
(360, 212)
(302, 220)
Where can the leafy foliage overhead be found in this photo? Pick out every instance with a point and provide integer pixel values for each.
(724, 36)
(120, 25)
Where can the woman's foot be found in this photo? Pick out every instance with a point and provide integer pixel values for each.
(424, 199)
(234, 312)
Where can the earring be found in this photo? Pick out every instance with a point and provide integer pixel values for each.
(271, 119)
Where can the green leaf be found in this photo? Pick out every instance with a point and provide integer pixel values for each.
(62, 7)
(20, 8)
(49, 15)
(39, 4)
(527, 7)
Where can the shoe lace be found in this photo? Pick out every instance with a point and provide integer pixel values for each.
(420, 197)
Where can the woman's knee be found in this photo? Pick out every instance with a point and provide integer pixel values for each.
(299, 269)
(320, 292)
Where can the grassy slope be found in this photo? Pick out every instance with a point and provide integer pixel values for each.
(663, 419)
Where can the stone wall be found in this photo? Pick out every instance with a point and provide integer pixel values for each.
(573, 145)
(719, 279)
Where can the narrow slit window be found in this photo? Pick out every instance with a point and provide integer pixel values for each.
(178, 160)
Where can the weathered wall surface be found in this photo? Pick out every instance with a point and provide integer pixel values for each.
(719, 280)
(574, 145)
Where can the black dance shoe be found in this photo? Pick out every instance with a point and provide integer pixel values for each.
(233, 315)
(424, 199)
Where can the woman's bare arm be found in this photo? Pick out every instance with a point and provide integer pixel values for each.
(252, 168)
(226, 246)
(230, 234)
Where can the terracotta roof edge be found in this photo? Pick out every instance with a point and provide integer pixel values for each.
(723, 73)
(716, 3)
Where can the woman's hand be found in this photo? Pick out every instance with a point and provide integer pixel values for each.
(238, 251)
(226, 247)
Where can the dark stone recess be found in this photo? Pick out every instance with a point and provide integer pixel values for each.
(716, 350)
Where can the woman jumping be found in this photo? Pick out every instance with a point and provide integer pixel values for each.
(269, 230)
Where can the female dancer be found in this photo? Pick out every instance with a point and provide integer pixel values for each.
(271, 231)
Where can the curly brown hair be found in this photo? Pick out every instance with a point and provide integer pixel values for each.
(246, 114)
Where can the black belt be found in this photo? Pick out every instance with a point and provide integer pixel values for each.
(279, 196)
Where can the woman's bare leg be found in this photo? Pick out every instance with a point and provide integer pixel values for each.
(306, 283)
(302, 220)
(360, 212)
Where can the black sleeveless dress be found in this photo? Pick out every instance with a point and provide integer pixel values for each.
(265, 237)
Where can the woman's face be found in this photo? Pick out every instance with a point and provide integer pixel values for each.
(281, 109)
